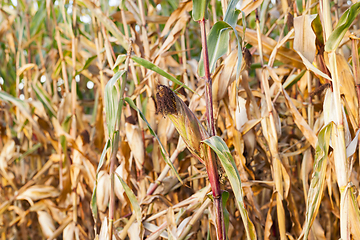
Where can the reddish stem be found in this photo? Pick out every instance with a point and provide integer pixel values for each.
(213, 175)
(208, 82)
(210, 162)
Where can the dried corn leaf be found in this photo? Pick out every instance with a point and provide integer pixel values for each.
(38, 192)
(304, 40)
(318, 178)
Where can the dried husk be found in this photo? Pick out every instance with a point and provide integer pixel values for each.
(46, 223)
(103, 190)
(134, 137)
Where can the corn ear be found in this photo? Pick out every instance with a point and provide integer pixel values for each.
(184, 120)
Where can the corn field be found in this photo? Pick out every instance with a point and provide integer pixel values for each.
(191, 119)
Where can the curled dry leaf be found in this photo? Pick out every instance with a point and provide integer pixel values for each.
(6, 154)
(286, 55)
(119, 190)
(224, 76)
(46, 223)
(172, 37)
(104, 231)
(347, 87)
(103, 190)
(241, 119)
(69, 231)
(304, 40)
(134, 137)
(248, 6)
(133, 232)
(130, 19)
(184, 7)
(38, 192)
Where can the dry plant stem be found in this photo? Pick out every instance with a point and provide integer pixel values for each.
(259, 37)
(63, 64)
(310, 106)
(17, 65)
(123, 18)
(273, 145)
(208, 82)
(116, 140)
(61, 228)
(112, 191)
(224, 6)
(73, 103)
(341, 167)
(325, 7)
(213, 9)
(132, 68)
(284, 6)
(110, 55)
(183, 57)
(195, 218)
(28, 78)
(143, 30)
(124, 232)
(101, 71)
(211, 166)
(356, 69)
(273, 141)
(155, 235)
(163, 174)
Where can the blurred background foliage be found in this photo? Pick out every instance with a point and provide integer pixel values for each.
(56, 62)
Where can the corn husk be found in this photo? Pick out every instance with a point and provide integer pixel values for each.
(184, 120)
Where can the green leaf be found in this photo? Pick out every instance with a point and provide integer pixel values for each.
(93, 203)
(120, 59)
(318, 177)
(291, 80)
(220, 148)
(217, 42)
(37, 20)
(219, 34)
(66, 124)
(111, 102)
(225, 196)
(355, 218)
(199, 11)
(102, 157)
(232, 14)
(299, 5)
(134, 202)
(163, 150)
(87, 64)
(342, 26)
(122, 5)
(317, 28)
(42, 96)
(153, 67)
(30, 151)
(9, 98)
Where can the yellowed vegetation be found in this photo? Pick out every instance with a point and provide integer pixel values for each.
(288, 114)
